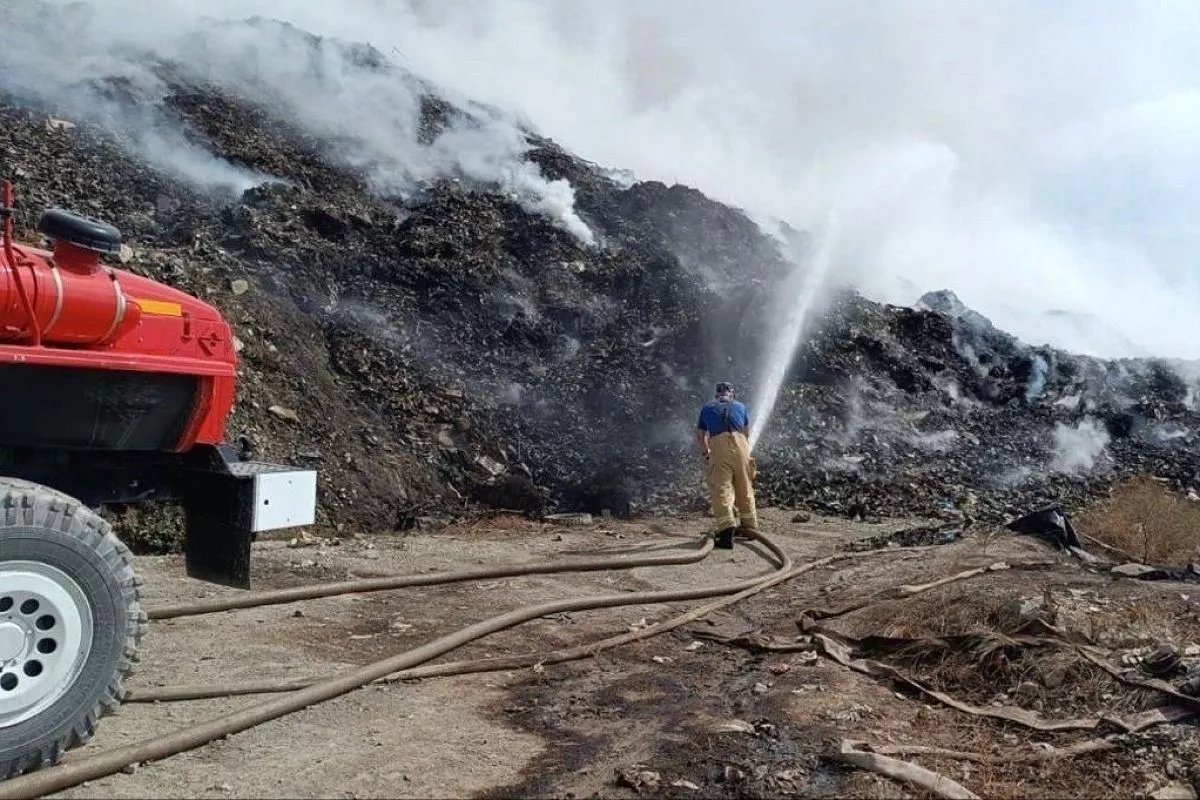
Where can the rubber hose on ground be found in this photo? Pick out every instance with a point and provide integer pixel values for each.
(319, 590)
(71, 774)
(497, 663)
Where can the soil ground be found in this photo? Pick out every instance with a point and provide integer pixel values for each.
(653, 717)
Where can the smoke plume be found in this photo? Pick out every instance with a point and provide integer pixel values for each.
(1077, 449)
(1038, 159)
(1037, 378)
(368, 110)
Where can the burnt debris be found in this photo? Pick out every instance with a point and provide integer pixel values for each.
(446, 347)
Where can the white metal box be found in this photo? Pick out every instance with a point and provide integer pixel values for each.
(284, 497)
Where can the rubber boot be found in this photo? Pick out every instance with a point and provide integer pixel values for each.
(724, 539)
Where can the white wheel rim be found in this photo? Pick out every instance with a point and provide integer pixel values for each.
(45, 638)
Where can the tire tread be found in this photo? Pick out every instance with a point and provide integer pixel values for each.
(26, 503)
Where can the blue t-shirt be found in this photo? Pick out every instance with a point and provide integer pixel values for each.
(713, 417)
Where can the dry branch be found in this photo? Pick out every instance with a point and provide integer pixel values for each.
(904, 771)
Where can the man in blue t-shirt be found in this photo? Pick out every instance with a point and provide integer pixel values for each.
(722, 433)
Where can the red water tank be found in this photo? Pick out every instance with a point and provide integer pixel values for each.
(76, 299)
(93, 317)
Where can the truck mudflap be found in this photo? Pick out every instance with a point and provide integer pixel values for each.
(227, 502)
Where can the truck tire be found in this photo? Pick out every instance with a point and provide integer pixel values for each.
(70, 624)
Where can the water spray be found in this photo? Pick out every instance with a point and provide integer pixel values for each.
(799, 292)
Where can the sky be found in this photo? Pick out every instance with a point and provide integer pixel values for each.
(1040, 159)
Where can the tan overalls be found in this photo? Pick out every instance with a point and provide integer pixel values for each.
(731, 482)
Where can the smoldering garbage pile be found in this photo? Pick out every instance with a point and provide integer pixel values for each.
(439, 308)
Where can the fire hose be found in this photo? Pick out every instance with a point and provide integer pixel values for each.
(363, 585)
(71, 774)
(500, 663)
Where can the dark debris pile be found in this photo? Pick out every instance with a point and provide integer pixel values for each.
(449, 348)
(899, 410)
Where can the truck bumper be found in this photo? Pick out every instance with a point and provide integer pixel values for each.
(227, 504)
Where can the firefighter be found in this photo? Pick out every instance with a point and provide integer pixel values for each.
(722, 435)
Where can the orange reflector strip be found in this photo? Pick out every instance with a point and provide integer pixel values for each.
(159, 308)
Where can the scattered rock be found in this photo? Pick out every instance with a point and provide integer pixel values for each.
(639, 779)
(732, 726)
(802, 517)
(1132, 570)
(239, 286)
(490, 465)
(305, 539)
(1174, 791)
(284, 413)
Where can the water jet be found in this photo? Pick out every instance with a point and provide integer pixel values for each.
(799, 295)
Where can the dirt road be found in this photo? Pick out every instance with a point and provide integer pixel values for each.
(693, 713)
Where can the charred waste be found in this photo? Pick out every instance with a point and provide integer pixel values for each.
(432, 334)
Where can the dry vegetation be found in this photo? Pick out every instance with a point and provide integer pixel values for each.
(1146, 522)
(1003, 769)
(984, 605)
(959, 639)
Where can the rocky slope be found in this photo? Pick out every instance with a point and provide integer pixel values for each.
(453, 342)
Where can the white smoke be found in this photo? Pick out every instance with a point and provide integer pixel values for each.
(1077, 449)
(1037, 379)
(1070, 402)
(32, 69)
(1013, 477)
(1167, 432)
(880, 423)
(1026, 155)
(369, 114)
(169, 151)
(937, 441)
(1037, 158)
